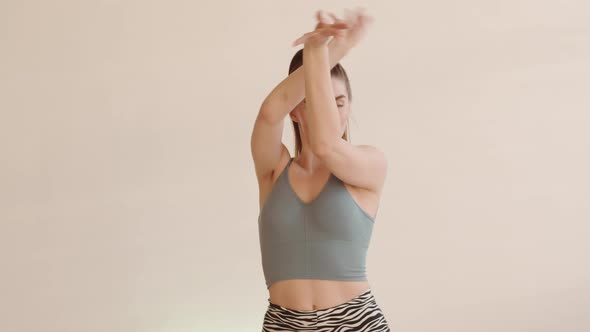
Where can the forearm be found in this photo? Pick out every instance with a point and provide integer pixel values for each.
(291, 90)
(321, 110)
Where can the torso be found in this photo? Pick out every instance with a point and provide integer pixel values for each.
(308, 294)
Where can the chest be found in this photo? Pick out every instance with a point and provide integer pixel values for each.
(332, 214)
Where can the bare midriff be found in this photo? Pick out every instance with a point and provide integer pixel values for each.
(314, 294)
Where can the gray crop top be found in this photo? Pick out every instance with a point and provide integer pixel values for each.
(327, 238)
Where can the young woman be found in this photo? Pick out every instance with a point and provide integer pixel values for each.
(317, 209)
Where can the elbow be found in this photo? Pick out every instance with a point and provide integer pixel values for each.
(266, 113)
(321, 150)
(324, 145)
(271, 109)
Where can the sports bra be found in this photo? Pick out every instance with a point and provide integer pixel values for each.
(326, 238)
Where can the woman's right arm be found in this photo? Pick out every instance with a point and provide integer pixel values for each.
(266, 146)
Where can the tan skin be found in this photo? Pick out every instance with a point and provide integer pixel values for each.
(308, 175)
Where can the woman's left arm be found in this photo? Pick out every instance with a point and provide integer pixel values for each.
(321, 110)
(363, 166)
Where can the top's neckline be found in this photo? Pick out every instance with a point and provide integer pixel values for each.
(326, 183)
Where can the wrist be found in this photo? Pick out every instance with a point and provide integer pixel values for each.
(315, 48)
(339, 44)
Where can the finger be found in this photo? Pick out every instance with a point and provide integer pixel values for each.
(331, 32)
(330, 29)
(328, 19)
(335, 18)
(298, 41)
(322, 22)
(318, 16)
(339, 33)
(301, 39)
(340, 25)
(321, 18)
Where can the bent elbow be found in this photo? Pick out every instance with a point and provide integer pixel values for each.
(321, 149)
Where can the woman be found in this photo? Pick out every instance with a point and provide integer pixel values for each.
(317, 209)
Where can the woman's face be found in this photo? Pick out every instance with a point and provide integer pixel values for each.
(298, 114)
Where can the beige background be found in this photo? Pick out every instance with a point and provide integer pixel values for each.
(128, 200)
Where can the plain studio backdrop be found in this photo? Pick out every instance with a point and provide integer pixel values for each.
(129, 202)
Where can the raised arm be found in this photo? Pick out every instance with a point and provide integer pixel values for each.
(290, 91)
(363, 166)
(322, 112)
(266, 146)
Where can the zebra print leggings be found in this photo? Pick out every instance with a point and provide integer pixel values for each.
(360, 314)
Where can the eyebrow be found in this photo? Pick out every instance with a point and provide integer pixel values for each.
(341, 96)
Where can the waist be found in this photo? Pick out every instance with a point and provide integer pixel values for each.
(314, 294)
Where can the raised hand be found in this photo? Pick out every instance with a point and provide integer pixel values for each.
(357, 21)
(322, 32)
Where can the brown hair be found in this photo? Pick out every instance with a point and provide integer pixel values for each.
(338, 72)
